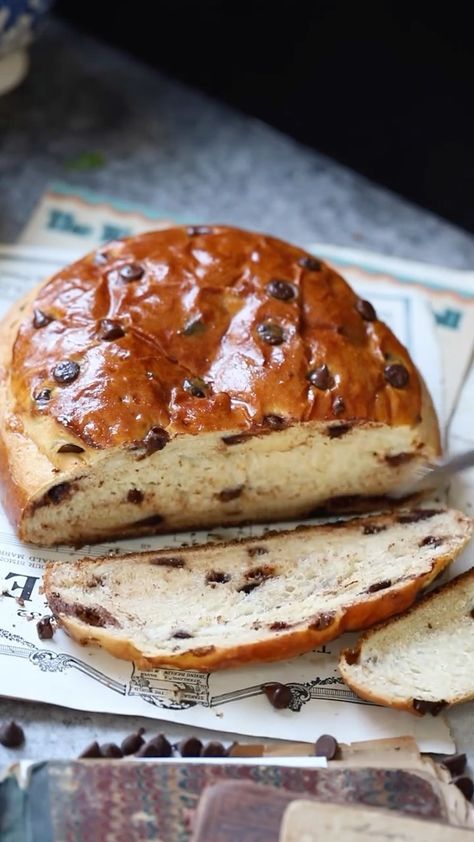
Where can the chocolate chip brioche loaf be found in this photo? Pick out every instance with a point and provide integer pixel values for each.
(200, 376)
(263, 599)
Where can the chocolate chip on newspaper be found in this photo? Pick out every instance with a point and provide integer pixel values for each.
(131, 272)
(366, 310)
(12, 735)
(190, 747)
(132, 743)
(213, 749)
(465, 785)
(158, 746)
(45, 628)
(326, 746)
(282, 290)
(455, 763)
(279, 695)
(110, 750)
(66, 372)
(397, 375)
(92, 750)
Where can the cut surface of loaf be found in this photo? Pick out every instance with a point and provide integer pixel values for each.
(423, 661)
(199, 376)
(264, 599)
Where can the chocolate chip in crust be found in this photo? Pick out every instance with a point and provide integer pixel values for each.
(278, 625)
(320, 377)
(258, 550)
(282, 290)
(41, 319)
(228, 494)
(465, 785)
(380, 586)
(417, 514)
(156, 439)
(275, 422)
(335, 431)
(398, 459)
(396, 375)
(58, 493)
(135, 496)
(373, 529)
(217, 577)
(168, 561)
(66, 372)
(12, 735)
(181, 634)
(455, 763)
(198, 230)
(366, 310)
(279, 695)
(323, 621)
(338, 405)
(271, 333)
(195, 386)
(110, 329)
(431, 541)
(352, 656)
(43, 395)
(310, 263)
(425, 706)
(131, 272)
(69, 447)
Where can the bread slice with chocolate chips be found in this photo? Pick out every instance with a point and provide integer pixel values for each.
(423, 661)
(271, 598)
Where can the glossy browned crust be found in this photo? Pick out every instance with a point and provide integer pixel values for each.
(371, 609)
(196, 313)
(354, 653)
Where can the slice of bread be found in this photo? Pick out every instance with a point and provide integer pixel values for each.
(260, 599)
(423, 661)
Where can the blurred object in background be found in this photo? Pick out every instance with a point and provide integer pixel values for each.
(18, 22)
(383, 87)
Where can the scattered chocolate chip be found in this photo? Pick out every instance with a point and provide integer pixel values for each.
(320, 377)
(110, 750)
(373, 529)
(271, 333)
(366, 310)
(380, 586)
(338, 405)
(198, 230)
(217, 577)
(278, 625)
(465, 785)
(323, 621)
(69, 447)
(352, 656)
(397, 375)
(311, 263)
(58, 492)
(335, 431)
(213, 749)
(168, 561)
(66, 372)
(43, 395)
(424, 706)
(156, 747)
(228, 494)
(194, 327)
(152, 520)
(135, 496)
(249, 587)
(326, 746)
(190, 747)
(109, 329)
(258, 550)
(455, 763)
(181, 634)
(279, 695)
(41, 319)
(430, 541)
(282, 290)
(12, 735)
(92, 750)
(275, 422)
(398, 459)
(45, 628)
(131, 272)
(417, 514)
(471, 614)
(195, 386)
(132, 744)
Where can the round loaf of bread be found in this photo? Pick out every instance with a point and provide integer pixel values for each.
(200, 376)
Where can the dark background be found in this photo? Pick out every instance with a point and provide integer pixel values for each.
(384, 89)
